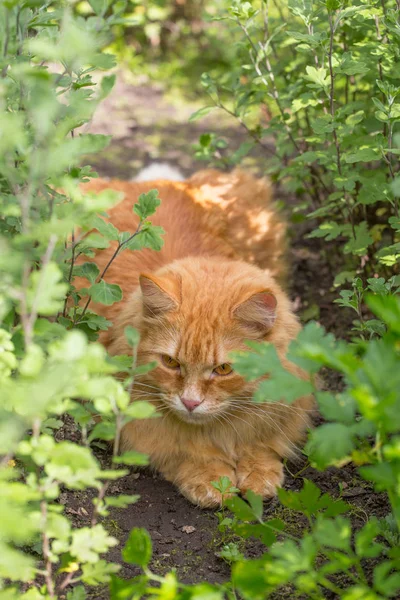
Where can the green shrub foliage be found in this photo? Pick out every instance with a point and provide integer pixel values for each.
(326, 74)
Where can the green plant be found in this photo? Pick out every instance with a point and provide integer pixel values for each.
(321, 78)
(46, 94)
(229, 545)
(334, 126)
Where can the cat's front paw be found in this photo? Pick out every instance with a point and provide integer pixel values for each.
(201, 494)
(262, 479)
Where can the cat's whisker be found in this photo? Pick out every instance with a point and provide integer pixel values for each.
(274, 425)
(142, 383)
(281, 411)
(226, 419)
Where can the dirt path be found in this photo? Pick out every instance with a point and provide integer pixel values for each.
(146, 127)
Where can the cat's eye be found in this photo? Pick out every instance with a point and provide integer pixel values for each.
(170, 362)
(224, 369)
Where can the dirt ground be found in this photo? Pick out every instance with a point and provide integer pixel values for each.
(148, 126)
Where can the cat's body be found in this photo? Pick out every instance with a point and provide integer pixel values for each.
(213, 285)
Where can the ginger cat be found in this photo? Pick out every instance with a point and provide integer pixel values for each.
(213, 286)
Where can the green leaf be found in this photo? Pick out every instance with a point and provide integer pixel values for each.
(103, 431)
(95, 574)
(329, 443)
(387, 578)
(322, 125)
(88, 270)
(107, 83)
(280, 385)
(333, 533)
(362, 155)
(202, 112)
(362, 240)
(88, 542)
(318, 76)
(312, 348)
(241, 509)
(96, 322)
(254, 364)
(147, 204)
(386, 308)
(329, 230)
(349, 66)
(311, 502)
(150, 237)
(105, 228)
(132, 336)
(105, 293)
(138, 548)
(132, 457)
(337, 407)
(78, 593)
(140, 410)
(256, 503)
(121, 501)
(46, 291)
(365, 544)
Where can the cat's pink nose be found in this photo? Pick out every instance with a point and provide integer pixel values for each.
(190, 404)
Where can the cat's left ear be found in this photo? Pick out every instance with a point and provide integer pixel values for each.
(258, 312)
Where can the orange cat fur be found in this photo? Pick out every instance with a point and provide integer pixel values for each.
(213, 285)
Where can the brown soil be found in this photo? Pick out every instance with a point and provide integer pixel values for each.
(147, 127)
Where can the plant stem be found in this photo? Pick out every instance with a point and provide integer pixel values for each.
(46, 552)
(332, 111)
(114, 256)
(251, 133)
(28, 319)
(71, 268)
(6, 42)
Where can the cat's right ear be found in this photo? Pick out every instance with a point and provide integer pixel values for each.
(157, 297)
(257, 313)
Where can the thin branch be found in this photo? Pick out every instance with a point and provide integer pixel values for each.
(332, 111)
(71, 268)
(251, 133)
(114, 256)
(6, 42)
(46, 552)
(28, 318)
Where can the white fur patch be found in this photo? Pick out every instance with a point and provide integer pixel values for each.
(159, 171)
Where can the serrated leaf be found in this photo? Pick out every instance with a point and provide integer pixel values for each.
(364, 541)
(147, 204)
(333, 533)
(106, 228)
(88, 542)
(88, 270)
(47, 291)
(241, 509)
(105, 293)
(362, 155)
(150, 237)
(329, 443)
(329, 230)
(138, 548)
(362, 240)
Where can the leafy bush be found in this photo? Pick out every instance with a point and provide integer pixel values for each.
(327, 75)
(323, 79)
(46, 362)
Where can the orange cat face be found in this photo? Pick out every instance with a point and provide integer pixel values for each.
(194, 315)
